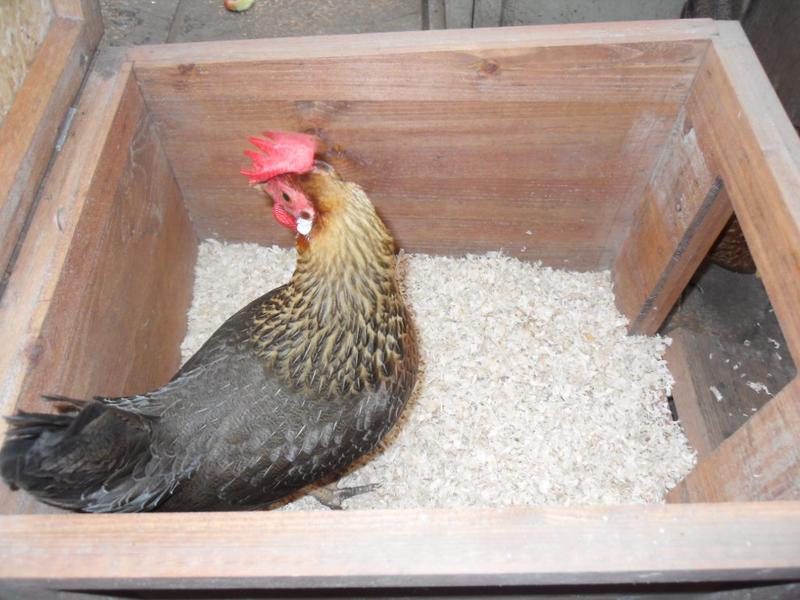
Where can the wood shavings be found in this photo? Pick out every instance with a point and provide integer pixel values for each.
(758, 387)
(530, 391)
(716, 392)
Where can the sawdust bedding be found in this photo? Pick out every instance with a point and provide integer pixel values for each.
(530, 391)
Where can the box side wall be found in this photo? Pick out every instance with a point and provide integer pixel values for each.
(105, 276)
(405, 548)
(28, 134)
(733, 150)
(539, 151)
(743, 128)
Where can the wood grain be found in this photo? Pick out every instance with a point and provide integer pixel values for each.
(682, 212)
(414, 42)
(28, 135)
(86, 11)
(761, 461)
(104, 280)
(510, 546)
(460, 150)
(573, 120)
(742, 127)
(742, 132)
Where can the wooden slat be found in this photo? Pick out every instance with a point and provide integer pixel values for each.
(742, 127)
(432, 183)
(460, 150)
(97, 304)
(742, 130)
(511, 546)
(761, 461)
(129, 273)
(683, 210)
(689, 398)
(468, 40)
(29, 132)
(86, 11)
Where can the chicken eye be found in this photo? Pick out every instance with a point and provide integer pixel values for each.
(286, 198)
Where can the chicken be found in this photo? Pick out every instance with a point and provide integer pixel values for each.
(291, 389)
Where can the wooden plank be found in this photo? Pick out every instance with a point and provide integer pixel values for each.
(588, 73)
(29, 132)
(40, 262)
(128, 276)
(572, 135)
(509, 546)
(700, 362)
(415, 42)
(761, 461)
(86, 11)
(428, 173)
(688, 397)
(681, 214)
(111, 246)
(742, 127)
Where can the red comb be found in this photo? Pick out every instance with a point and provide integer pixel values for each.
(283, 152)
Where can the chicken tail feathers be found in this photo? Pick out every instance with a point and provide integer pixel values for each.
(73, 459)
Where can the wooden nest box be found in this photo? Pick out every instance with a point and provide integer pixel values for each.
(623, 146)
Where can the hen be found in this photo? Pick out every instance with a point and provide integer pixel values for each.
(291, 389)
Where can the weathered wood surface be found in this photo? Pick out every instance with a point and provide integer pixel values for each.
(414, 42)
(512, 546)
(28, 135)
(86, 11)
(699, 362)
(761, 461)
(85, 213)
(742, 127)
(739, 133)
(97, 303)
(516, 144)
(682, 212)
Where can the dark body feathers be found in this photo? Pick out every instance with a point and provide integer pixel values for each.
(292, 388)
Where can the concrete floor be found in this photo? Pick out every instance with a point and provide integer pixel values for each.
(131, 22)
(731, 309)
